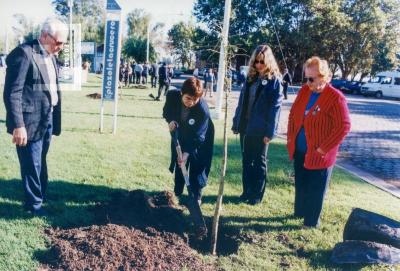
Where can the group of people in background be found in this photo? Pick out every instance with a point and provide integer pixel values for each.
(318, 123)
(138, 73)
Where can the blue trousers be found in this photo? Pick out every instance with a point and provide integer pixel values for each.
(254, 163)
(310, 190)
(33, 165)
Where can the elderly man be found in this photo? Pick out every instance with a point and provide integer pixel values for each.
(33, 104)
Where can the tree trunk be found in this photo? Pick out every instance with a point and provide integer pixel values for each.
(218, 206)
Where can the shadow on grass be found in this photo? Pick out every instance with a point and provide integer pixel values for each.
(72, 205)
(320, 260)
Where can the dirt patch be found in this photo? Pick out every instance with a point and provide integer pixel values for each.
(141, 210)
(140, 87)
(114, 247)
(94, 96)
(137, 231)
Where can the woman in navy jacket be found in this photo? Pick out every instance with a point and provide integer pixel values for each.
(256, 119)
(187, 112)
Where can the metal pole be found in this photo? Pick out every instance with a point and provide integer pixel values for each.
(6, 49)
(222, 58)
(70, 5)
(148, 43)
(116, 81)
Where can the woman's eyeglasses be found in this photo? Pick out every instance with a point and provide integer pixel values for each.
(259, 61)
(310, 79)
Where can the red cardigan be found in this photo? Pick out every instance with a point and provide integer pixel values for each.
(326, 125)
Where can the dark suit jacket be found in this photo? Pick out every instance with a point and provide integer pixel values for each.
(196, 134)
(26, 92)
(163, 74)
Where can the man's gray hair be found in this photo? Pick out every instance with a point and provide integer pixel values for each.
(53, 26)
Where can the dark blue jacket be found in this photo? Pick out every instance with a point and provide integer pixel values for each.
(26, 92)
(196, 134)
(265, 113)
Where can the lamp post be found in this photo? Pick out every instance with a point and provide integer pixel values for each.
(70, 5)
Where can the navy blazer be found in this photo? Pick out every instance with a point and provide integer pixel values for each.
(196, 134)
(26, 92)
(264, 117)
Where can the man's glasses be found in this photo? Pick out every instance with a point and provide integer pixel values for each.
(58, 43)
(259, 61)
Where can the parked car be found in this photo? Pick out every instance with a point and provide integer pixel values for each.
(353, 87)
(384, 84)
(339, 84)
(177, 73)
(202, 71)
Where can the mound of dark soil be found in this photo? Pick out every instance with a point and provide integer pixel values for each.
(114, 247)
(140, 210)
(94, 96)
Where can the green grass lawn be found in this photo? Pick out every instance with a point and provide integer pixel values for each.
(85, 167)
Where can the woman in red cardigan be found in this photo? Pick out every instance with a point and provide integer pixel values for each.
(318, 122)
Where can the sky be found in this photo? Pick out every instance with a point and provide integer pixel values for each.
(166, 11)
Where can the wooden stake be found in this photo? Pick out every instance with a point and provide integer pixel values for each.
(218, 206)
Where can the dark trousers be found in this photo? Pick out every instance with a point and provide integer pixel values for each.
(154, 81)
(285, 89)
(310, 189)
(144, 78)
(138, 77)
(162, 85)
(254, 163)
(33, 165)
(197, 180)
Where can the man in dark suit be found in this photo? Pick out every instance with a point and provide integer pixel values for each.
(163, 81)
(33, 104)
(286, 81)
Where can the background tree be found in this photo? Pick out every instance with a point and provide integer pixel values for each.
(136, 47)
(137, 21)
(90, 14)
(181, 35)
(350, 34)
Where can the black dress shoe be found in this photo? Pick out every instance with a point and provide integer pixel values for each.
(38, 213)
(243, 197)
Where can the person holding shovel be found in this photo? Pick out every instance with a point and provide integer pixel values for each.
(188, 117)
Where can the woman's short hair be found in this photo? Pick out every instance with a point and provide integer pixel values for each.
(271, 66)
(322, 66)
(192, 87)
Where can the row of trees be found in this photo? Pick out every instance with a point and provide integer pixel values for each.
(355, 36)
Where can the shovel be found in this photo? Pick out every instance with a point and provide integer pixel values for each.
(192, 204)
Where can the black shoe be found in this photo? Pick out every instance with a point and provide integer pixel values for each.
(243, 197)
(157, 99)
(39, 213)
(254, 201)
(152, 96)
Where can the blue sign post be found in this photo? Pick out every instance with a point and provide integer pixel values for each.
(112, 52)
